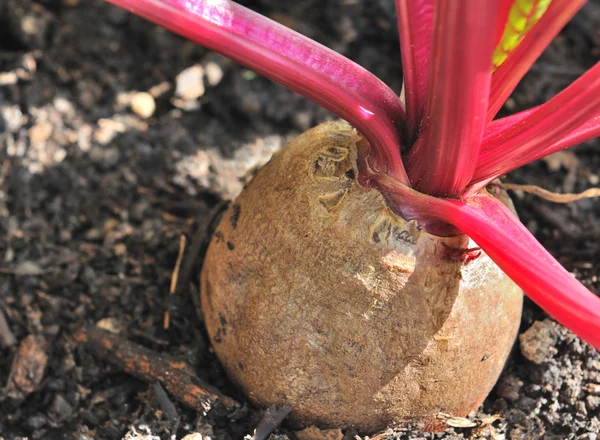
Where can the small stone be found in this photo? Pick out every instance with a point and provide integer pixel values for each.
(190, 83)
(28, 268)
(120, 249)
(105, 157)
(527, 404)
(302, 120)
(36, 422)
(143, 105)
(592, 403)
(580, 407)
(110, 325)
(193, 436)
(537, 343)
(214, 73)
(40, 132)
(8, 78)
(60, 410)
(593, 388)
(13, 117)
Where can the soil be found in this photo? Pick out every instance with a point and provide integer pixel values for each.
(98, 182)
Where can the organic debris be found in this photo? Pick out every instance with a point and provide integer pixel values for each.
(175, 375)
(28, 367)
(270, 421)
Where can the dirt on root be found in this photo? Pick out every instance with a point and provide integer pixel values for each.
(117, 138)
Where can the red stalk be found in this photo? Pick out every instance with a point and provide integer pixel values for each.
(502, 19)
(302, 65)
(415, 25)
(498, 126)
(443, 159)
(520, 60)
(512, 247)
(542, 130)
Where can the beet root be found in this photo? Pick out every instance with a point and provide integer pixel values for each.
(317, 296)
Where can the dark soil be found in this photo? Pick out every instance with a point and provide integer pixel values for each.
(94, 199)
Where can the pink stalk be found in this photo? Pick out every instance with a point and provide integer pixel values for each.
(589, 130)
(498, 126)
(520, 60)
(512, 247)
(292, 60)
(531, 137)
(415, 25)
(443, 159)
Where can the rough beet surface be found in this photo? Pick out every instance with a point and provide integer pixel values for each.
(331, 304)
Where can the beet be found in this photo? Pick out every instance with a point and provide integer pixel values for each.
(317, 296)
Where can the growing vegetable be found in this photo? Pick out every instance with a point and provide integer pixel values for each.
(357, 278)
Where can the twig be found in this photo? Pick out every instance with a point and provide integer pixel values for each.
(549, 195)
(176, 376)
(7, 338)
(197, 249)
(175, 277)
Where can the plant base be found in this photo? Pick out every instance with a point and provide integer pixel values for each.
(317, 296)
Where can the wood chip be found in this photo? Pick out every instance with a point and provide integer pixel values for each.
(456, 422)
(7, 338)
(28, 367)
(176, 376)
(175, 278)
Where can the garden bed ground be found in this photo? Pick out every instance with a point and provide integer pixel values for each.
(94, 199)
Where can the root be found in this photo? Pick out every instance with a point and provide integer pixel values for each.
(549, 195)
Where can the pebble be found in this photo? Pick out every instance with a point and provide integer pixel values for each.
(537, 343)
(13, 118)
(109, 324)
(190, 83)
(60, 410)
(302, 120)
(193, 436)
(592, 403)
(143, 105)
(40, 132)
(593, 388)
(36, 421)
(214, 73)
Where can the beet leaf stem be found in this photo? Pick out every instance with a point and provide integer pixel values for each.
(415, 26)
(443, 159)
(519, 61)
(512, 247)
(569, 117)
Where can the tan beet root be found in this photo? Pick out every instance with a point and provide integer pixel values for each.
(318, 297)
